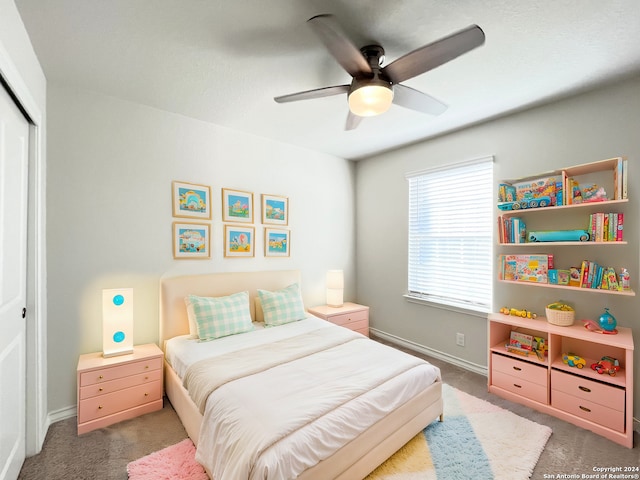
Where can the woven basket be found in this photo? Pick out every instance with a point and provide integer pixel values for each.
(562, 318)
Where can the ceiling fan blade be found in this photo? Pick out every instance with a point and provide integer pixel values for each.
(415, 100)
(434, 54)
(353, 121)
(339, 45)
(315, 93)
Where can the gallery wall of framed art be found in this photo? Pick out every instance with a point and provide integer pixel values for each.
(192, 205)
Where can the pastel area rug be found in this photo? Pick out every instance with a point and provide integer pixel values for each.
(477, 440)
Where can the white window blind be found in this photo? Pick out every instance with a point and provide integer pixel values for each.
(450, 235)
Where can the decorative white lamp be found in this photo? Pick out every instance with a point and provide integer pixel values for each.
(335, 288)
(117, 321)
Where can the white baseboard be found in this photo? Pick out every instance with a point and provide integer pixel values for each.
(61, 414)
(445, 357)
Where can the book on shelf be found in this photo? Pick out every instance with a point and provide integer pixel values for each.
(606, 227)
(624, 178)
(524, 268)
(512, 230)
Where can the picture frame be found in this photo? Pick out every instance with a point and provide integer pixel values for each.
(277, 242)
(191, 200)
(275, 209)
(239, 241)
(191, 240)
(237, 206)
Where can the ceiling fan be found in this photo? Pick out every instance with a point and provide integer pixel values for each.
(373, 87)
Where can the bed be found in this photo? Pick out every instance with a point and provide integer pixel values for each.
(330, 428)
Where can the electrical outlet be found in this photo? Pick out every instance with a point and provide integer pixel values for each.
(460, 339)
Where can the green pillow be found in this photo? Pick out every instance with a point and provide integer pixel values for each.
(282, 306)
(217, 317)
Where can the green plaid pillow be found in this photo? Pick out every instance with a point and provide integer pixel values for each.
(282, 306)
(217, 317)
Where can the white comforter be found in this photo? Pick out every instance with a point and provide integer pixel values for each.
(279, 421)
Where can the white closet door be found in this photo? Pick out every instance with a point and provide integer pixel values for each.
(14, 157)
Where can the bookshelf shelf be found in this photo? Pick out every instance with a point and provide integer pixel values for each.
(573, 244)
(626, 293)
(588, 206)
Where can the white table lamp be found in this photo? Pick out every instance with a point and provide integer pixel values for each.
(335, 288)
(117, 321)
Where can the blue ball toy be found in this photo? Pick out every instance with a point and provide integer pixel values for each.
(607, 321)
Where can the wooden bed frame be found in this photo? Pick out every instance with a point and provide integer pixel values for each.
(356, 459)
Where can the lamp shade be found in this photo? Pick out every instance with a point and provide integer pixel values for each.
(117, 321)
(335, 288)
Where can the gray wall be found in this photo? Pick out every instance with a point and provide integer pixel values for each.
(594, 126)
(111, 164)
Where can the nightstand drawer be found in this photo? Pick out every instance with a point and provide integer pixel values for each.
(593, 412)
(119, 384)
(119, 401)
(519, 369)
(595, 392)
(348, 319)
(522, 387)
(112, 373)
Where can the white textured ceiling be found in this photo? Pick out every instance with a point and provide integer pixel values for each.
(224, 61)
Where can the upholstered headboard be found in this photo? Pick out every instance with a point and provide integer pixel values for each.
(173, 311)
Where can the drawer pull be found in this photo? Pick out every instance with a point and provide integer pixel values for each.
(146, 378)
(100, 377)
(100, 389)
(584, 389)
(146, 367)
(517, 369)
(99, 407)
(585, 409)
(517, 386)
(146, 394)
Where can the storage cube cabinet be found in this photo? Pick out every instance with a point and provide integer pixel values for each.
(351, 315)
(118, 388)
(598, 402)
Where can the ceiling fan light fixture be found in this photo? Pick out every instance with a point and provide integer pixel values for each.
(371, 100)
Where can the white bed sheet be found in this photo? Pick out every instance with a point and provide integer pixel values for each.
(305, 447)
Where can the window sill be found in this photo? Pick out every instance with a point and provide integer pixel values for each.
(447, 306)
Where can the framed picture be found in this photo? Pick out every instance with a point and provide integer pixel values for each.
(191, 200)
(191, 240)
(277, 242)
(237, 206)
(275, 209)
(239, 241)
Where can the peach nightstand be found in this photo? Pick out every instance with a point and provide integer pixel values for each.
(351, 315)
(118, 388)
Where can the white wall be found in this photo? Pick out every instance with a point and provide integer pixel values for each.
(111, 164)
(585, 128)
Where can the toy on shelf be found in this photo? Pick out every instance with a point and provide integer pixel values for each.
(559, 313)
(540, 347)
(573, 360)
(517, 313)
(559, 236)
(606, 364)
(593, 327)
(607, 321)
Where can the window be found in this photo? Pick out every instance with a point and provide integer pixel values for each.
(450, 235)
